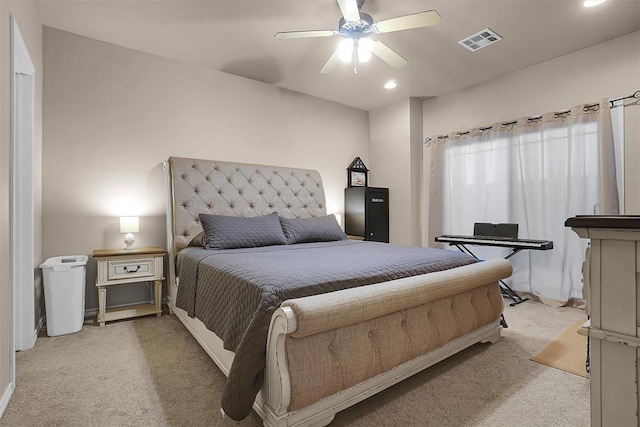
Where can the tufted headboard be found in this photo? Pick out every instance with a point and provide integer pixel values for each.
(207, 186)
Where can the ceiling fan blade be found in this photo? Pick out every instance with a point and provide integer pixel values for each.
(305, 34)
(388, 55)
(406, 22)
(349, 9)
(331, 62)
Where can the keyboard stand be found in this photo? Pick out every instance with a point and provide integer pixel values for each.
(504, 288)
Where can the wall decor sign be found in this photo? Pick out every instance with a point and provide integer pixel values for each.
(357, 173)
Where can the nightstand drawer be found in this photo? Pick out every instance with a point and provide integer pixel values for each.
(127, 269)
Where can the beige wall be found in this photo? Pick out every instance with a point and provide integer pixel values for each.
(112, 115)
(608, 70)
(389, 130)
(395, 134)
(26, 14)
(415, 183)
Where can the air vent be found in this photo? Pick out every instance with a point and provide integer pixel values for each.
(479, 40)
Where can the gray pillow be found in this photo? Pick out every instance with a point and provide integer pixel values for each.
(229, 232)
(307, 230)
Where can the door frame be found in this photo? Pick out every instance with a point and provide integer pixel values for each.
(22, 250)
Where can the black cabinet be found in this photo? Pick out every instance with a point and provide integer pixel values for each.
(366, 212)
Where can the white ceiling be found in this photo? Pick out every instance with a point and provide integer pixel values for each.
(236, 36)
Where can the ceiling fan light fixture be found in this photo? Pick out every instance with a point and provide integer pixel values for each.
(355, 28)
(345, 50)
(365, 49)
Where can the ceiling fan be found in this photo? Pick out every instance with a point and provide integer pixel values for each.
(356, 29)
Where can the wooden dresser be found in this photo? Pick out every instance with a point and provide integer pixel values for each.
(611, 277)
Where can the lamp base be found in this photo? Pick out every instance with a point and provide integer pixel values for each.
(129, 240)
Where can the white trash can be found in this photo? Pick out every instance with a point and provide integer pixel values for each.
(64, 280)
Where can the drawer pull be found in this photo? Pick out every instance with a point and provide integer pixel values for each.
(126, 270)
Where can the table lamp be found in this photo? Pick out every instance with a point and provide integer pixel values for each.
(129, 224)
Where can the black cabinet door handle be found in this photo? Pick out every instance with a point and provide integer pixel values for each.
(126, 270)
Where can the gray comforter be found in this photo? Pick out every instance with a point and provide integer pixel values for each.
(234, 292)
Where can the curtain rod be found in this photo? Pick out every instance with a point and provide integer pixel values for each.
(636, 95)
(428, 140)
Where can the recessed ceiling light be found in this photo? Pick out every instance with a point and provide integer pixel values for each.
(391, 84)
(591, 3)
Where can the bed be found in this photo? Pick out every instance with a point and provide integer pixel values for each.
(349, 322)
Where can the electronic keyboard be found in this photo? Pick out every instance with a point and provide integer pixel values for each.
(504, 242)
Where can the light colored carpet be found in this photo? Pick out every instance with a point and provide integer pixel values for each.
(568, 352)
(151, 372)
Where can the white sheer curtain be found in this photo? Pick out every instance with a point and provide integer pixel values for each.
(537, 173)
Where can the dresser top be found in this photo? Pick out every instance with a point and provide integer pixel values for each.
(122, 252)
(604, 221)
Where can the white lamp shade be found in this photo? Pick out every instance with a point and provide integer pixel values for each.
(129, 224)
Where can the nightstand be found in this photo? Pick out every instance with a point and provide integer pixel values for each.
(120, 266)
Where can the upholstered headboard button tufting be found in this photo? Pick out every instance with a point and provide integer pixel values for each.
(225, 188)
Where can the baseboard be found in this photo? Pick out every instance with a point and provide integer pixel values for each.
(6, 397)
(39, 327)
(92, 312)
(34, 336)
